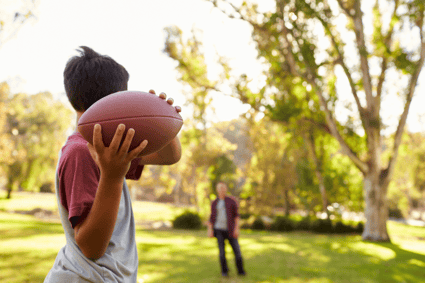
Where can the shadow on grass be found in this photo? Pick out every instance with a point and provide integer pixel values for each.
(289, 257)
(189, 256)
(339, 259)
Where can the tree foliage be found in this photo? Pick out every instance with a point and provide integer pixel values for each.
(318, 42)
(13, 15)
(204, 149)
(35, 129)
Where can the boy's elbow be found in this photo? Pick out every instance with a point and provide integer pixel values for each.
(177, 157)
(173, 159)
(92, 252)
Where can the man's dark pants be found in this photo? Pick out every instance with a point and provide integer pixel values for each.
(221, 236)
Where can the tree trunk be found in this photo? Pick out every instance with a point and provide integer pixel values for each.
(319, 175)
(376, 211)
(11, 187)
(9, 192)
(287, 203)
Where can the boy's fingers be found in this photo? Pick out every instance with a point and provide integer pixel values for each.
(152, 91)
(97, 138)
(127, 141)
(116, 140)
(92, 151)
(135, 152)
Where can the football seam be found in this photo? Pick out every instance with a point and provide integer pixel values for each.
(149, 116)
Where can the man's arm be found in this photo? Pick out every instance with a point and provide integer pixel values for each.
(237, 224)
(210, 224)
(168, 155)
(237, 218)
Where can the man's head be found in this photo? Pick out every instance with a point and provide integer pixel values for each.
(221, 189)
(91, 76)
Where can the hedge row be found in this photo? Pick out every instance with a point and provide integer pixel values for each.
(191, 220)
(188, 220)
(322, 226)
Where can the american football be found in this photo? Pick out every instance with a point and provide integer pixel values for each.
(151, 117)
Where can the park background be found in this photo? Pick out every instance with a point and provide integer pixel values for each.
(282, 100)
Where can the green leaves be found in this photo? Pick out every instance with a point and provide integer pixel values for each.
(402, 62)
(35, 130)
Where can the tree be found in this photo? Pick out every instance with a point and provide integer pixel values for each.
(14, 16)
(36, 127)
(271, 173)
(202, 146)
(417, 173)
(5, 145)
(306, 41)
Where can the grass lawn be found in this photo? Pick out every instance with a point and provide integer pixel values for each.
(143, 210)
(28, 248)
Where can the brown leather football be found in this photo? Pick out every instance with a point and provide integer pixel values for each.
(151, 117)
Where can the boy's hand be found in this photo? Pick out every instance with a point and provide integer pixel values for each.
(114, 161)
(169, 100)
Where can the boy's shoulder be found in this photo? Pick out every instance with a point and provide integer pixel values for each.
(75, 150)
(75, 143)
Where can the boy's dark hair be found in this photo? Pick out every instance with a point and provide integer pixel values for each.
(91, 76)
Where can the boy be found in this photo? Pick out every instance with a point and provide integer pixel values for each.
(93, 197)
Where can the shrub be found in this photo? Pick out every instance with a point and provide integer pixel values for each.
(258, 224)
(47, 188)
(282, 224)
(244, 215)
(359, 228)
(245, 225)
(395, 213)
(342, 228)
(303, 225)
(323, 226)
(187, 220)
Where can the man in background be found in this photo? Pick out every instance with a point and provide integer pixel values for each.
(224, 224)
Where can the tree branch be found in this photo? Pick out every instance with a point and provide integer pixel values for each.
(290, 56)
(334, 131)
(409, 96)
(341, 61)
(237, 11)
(310, 77)
(345, 9)
(384, 64)
(361, 46)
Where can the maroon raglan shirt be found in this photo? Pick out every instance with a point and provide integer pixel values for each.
(231, 213)
(79, 177)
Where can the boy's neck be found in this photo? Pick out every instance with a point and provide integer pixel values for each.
(79, 113)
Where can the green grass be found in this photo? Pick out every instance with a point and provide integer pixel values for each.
(28, 248)
(26, 201)
(143, 210)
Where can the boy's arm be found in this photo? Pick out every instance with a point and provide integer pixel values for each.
(95, 231)
(170, 154)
